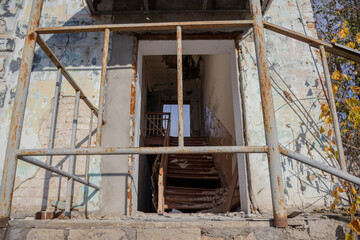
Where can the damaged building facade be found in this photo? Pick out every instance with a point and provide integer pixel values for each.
(138, 81)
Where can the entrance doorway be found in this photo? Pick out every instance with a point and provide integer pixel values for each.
(211, 117)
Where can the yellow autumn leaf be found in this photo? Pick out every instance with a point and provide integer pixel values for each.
(355, 89)
(344, 32)
(334, 40)
(328, 120)
(337, 201)
(355, 225)
(356, 109)
(352, 102)
(358, 200)
(322, 130)
(353, 208)
(335, 89)
(358, 38)
(353, 190)
(333, 206)
(336, 194)
(349, 236)
(345, 23)
(350, 45)
(336, 75)
(340, 190)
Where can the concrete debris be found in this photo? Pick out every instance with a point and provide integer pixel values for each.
(178, 227)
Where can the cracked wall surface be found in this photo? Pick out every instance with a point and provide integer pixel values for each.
(295, 73)
(81, 54)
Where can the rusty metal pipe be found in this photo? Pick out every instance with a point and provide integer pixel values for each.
(332, 106)
(17, 117)
(142, 150)
(333, 48)
(102, 87)
(87, 164)
(180, 86)
(65, 73)
(52, 136)
(54, 114)
(148, 26)
(276, 182)
(326, 168)
(41, 164)
(70, 181)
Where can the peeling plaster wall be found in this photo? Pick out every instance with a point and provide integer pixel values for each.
(295, 74)
(218, 106)
(294, 69)
(81, 54)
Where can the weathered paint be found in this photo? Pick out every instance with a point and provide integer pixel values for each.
(72, 13)
(180, 99)
(77, 52)
(102, 88)
(17, 117)
(130, 183)
(293, 72)
(271, 136)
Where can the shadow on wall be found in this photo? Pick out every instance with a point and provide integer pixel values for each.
(81, 54)
(300, 101)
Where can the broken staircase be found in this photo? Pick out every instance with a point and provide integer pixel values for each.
(192, 180)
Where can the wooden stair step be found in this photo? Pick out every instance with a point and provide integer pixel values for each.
(200, 206)
(193, 176)
(192, 167)
(189, 199)
(190, 156)
(190, 171)
(190, 191)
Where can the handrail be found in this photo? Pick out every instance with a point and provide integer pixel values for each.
(163, 171)
(155, 123)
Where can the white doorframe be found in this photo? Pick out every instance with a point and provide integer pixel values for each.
(191, 47)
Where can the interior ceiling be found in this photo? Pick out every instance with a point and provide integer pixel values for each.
(163, 5)
(174, 5)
